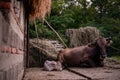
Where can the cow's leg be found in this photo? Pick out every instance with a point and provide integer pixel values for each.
(101, 63)
(91, 63)
(60, 58)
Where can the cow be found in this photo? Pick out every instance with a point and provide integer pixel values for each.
(92, 54)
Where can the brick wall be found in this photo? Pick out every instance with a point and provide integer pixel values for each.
(11, 45)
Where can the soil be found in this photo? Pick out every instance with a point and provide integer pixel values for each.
(111, 71)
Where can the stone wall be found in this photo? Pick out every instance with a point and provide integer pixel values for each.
(11, 45)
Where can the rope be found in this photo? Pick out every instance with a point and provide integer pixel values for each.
(80, 74)
(55, 33)
(115, 48)
(36, 30)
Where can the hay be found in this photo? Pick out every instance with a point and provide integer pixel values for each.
(39, 8)
(112, 63)
(44, 44)
(82, 36)
(40, 51)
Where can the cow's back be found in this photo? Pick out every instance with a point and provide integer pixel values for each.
(74, 56)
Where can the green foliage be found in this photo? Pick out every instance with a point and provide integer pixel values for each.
(32, 33)
(43, 31)
(111, 28)
(117, 58)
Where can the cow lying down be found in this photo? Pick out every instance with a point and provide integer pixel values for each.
(92, 54)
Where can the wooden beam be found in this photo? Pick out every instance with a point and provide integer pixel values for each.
(5, 0)
(19, 0)
(5, 5)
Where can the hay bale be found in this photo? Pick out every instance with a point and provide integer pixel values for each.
(45, 44)
(82, 36)
(42, 50)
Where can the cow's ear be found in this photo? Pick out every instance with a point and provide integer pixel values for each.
(93, 44)
(109, 41)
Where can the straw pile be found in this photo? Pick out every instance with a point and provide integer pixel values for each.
(82, 36)
(39, 8)
(44, 44)
(40, 51)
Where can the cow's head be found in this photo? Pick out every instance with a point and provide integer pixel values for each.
(102, 43)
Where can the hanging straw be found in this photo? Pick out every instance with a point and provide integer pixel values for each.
(39, 8)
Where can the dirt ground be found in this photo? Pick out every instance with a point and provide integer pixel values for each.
(111, 71)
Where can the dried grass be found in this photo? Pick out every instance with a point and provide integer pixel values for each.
(39, 8)
(44, 44)
(82, 36)
(40, 51)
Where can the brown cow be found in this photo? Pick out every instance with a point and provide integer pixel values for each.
(92, 54)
